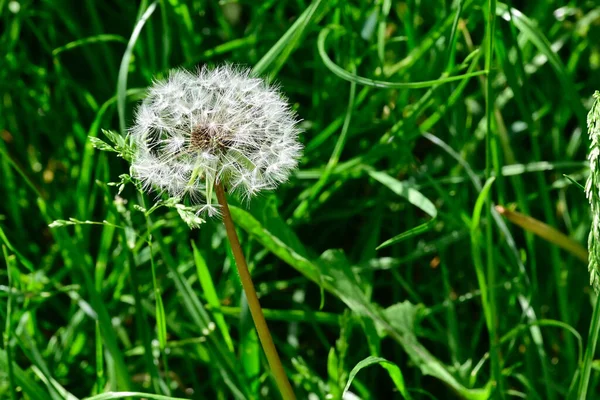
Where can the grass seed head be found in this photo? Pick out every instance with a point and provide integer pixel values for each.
(592, 190)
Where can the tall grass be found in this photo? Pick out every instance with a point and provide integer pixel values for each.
(383, 265)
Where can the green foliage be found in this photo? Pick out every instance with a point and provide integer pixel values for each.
(384, 247)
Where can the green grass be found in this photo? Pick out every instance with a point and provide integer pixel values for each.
(382, 265)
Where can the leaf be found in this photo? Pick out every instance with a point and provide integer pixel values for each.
(475, 247)
(332, 366)
(402, 189)
(333, 271)
(483, 194)
(88, 40)
(573, 181)
(249, 348)
(279, 53)
(28, 386)
(208, 288)
(161, 321)
(121, 395)
(532, 33)
(414, 197)
(124, 67)
(545, 232)
(342, 73)
(417, 230)
(403, 316)
(392, 369)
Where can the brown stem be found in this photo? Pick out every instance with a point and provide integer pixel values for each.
(257, 314)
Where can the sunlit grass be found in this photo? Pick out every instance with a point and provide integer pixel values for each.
(383, 265)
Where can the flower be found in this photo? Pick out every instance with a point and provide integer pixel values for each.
(216, 125)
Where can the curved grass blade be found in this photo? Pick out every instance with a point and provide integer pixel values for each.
(89, 40)
(121, 395)
(547, 322)
(342, 73)
(392, 369)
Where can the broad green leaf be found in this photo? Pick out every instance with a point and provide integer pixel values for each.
(404, 316)
(333, 271)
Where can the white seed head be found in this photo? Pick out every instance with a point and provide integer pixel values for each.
(217, 124)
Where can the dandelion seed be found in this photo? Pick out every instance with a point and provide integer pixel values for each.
(222, 124)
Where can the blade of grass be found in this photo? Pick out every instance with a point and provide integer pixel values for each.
(124, 68)
(393, 370)
(121, 395)
(28, 386)
(208, 288)
(482, 279)
(539, 40)
(590, 350)
(546, 232)
(102, 38)
(492, 162)
(342, 73)
(8, 349)
(279, 53)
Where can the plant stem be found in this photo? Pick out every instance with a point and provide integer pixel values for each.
(257, 314)
(589, 352)
(492, 161)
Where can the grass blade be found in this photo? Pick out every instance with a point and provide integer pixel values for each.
(124, 68)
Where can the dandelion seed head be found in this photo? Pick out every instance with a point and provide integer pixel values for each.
(220, 124)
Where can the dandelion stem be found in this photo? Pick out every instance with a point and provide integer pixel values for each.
(257, 314)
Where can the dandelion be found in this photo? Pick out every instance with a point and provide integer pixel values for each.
(218, 129)
(216, 125)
